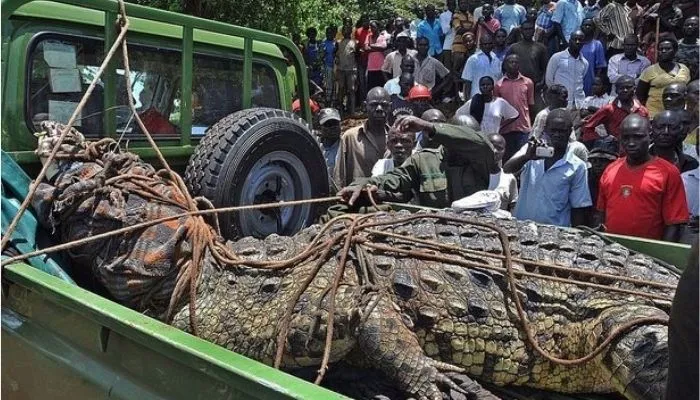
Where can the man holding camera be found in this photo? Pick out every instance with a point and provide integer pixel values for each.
(554, 181)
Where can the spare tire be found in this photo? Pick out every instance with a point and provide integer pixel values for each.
(254, 156)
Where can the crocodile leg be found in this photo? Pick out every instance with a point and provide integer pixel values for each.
(390, 346)
(638, 361)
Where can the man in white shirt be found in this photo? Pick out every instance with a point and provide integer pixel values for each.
(567, 68)
(482, 63)
(449, 33)
(504, 184)
(392, 62)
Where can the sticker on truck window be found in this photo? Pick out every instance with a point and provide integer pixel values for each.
(60, 55)
(65, 80)
(61, 111)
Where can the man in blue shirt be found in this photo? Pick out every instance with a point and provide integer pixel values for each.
(431, 29)
(510, 15)
(554, 190)
(566, 19)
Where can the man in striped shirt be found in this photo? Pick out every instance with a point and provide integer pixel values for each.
(614, 21)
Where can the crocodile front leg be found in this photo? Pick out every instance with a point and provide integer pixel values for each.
(388, 345)
(638, 361)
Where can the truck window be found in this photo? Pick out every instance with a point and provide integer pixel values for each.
(217, 88)
(61, 70)
(155, 81)
(63, 67)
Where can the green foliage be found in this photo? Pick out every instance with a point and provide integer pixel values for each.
(287, 16)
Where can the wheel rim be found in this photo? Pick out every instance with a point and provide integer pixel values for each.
(277, 176)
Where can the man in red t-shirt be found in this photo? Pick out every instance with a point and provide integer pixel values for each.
(640, 194)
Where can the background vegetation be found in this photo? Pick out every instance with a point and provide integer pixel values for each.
(287, 16)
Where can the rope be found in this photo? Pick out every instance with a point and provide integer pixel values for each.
(143, 225)
(201, 236)
(42, 173)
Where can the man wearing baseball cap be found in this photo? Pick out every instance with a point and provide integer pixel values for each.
(329, 137)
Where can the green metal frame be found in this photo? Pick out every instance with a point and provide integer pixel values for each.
(156, 24)
(81, 333)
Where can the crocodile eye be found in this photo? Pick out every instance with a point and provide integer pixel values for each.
(404, 286)
(270, 285)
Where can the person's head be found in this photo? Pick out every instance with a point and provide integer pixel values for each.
(347, 31)
(418, 11)
(487, 10)
(690, 27)
(510, 1)
(433, 115)
(531, 15)
(635, 137)
(378, 104)
(625, 87)
(400, 144)
(486, 86)
(422, 45)
(576, 42)
(511, 64)
(408, 64)
(296, 38)
(430, 12)
(666, 48)
(527, 29)
(364, 21)
(588, 27)
(469, 41)
(450, 5)
(486, 43)
(499, 146)
(600, 159)
(330, 32)
(406, 82)
(402, 41)
(347, 21)
(389, 26)
(673, 96)
(692, 95)
(600, 86)
(373, 27)
(463, 5)
(556, 96)
(630, 45)
(667, 129)
(311, 33)
(500, 38)
(466, 120)
(557, 129)
(329, 123)
(398, 24)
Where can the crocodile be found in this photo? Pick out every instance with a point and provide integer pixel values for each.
(413, 317)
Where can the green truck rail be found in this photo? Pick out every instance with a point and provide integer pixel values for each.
(75, 344)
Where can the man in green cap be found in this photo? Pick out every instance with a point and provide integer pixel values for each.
(456, 163)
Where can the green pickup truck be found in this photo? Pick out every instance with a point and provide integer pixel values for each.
(215, 97)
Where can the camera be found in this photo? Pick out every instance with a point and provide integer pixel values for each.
(544, 151)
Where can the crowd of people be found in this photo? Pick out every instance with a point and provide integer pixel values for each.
(575, 113)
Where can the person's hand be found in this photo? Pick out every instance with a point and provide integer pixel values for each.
(531, 152)
(413, 124)
(350, 194)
